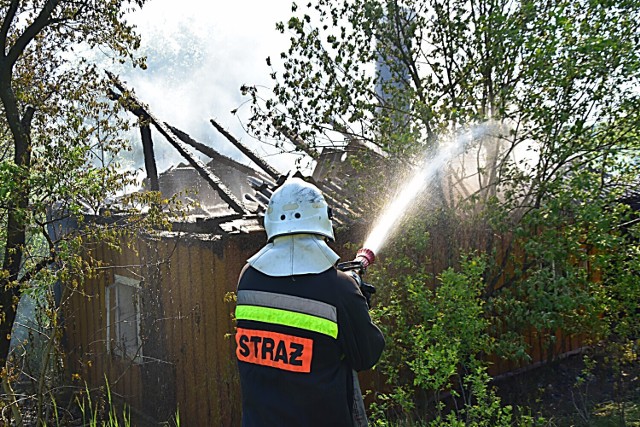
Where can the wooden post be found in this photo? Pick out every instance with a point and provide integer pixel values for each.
(149, 156)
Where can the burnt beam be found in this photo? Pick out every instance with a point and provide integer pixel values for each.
(247, 152)
(149, 156)
(145, 135)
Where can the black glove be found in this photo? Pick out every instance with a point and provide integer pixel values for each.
(367, 290)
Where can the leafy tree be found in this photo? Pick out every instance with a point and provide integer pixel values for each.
(60, 148)
(537, 68)
(549, 89)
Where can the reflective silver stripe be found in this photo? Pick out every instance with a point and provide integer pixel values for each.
(288, 302)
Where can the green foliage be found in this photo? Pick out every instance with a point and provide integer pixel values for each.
(571, 244)
(439, 332)
(485, 409)
(452, 326)
(543, 190)
(61, 176)
(438, 335)
(91, 410)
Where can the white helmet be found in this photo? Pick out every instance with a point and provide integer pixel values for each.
(297, 207)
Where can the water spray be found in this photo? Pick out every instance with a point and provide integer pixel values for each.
(398, 208)
(423, 175)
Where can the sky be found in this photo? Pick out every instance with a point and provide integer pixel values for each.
(199, 54)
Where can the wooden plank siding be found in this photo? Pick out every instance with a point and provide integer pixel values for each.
(188, 362)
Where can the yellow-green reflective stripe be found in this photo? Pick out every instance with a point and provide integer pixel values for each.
(287, 318)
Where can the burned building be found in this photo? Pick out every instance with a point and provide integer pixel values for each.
(156, 324)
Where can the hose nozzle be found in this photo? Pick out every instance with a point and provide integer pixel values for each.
(365, 256)
(356, 268)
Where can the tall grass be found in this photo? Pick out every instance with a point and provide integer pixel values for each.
(90, 411)
(114, 416)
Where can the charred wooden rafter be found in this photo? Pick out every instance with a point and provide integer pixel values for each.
(210, 152)
(149, 156)
(247, 152)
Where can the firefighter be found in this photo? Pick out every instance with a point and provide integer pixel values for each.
(303, 326)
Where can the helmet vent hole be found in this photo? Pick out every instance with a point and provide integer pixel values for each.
(282, 217)
(297, 215)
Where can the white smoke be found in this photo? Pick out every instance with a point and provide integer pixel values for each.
(199, 54)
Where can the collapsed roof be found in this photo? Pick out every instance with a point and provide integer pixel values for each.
(227, 191)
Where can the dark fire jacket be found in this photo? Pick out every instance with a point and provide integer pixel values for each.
(298, 340)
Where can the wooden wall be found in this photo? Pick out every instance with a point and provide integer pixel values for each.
(188, 359)
(85, 339)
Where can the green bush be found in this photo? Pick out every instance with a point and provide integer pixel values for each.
(437, 338)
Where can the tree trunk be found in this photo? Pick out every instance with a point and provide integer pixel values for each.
(16, 224)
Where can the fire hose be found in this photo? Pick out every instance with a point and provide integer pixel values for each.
(357, 268)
